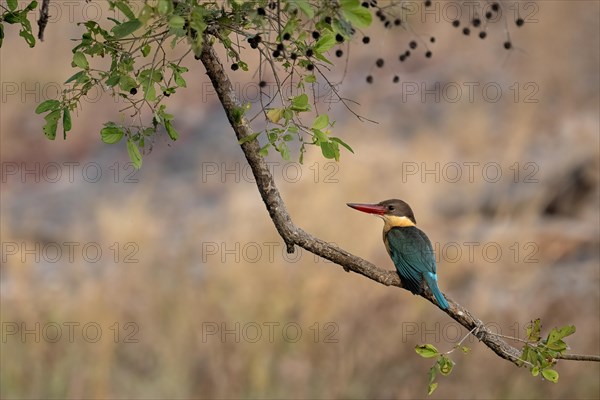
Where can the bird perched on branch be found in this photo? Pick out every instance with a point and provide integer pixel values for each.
(407, 245)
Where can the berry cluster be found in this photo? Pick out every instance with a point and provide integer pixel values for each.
(481, 23)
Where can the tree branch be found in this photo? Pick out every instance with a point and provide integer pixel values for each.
(292, 235)
(43, 20)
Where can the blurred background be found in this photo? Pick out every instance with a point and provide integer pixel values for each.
(171, 281)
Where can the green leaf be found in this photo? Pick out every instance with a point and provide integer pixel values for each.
(264, 151)
(47, 106)
(77, 77)
(284, 150)
(445, 364)
(125, 9)
(340, 141)
(134, 154)
(146, 50)
(274, 114)
(249, 138)
(550, 374)
(80, 61)
(12, 4)
(356, 14)
(431, 388)
(300, 103)
(126, 83)
(111, 134)
(113, 80)
(426, 350)
(173, 134)
(320, 135)
(51, 123)
(145, 14)
(535, 371)
(557, 334)
(310, 78)
(304, 6)
(176, 22)
(126, 28)
(326, 42)
(533, 330)
(165, 7)
(26, 34)
(67, 124)
(322, 121)
(465, 349)
(31, 6)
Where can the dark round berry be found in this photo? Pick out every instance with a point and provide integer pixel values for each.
(397, 22)
(328, 19)
(432, 40)
(286, 36)
(427, 3)
(396, 79)
(310, 67)
(339, 53)
(280, 46)
(495, 7)
(309, 53)
(366, 39)
(402, 57)
(428, 54)
(488, 15)
(407, 53)
(254, 45)
(339, 38)
(482, 34)
(276, 53)
(257, 38)
(476, 22)
(412, 44)
(261, 11)
(466, 31)
(365, 4)
(234, 66)
(133, 91)
(388, 24)
(293, 56)
(456, 23)
(507, 45)
(262, 84)
(379, 62)
(316, 35)
(379, 14)
(369, 79)
(519, 22)
(166, 94)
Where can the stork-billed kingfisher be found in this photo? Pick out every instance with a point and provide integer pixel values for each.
(407, 245)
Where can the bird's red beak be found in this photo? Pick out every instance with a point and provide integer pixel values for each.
(368, 208)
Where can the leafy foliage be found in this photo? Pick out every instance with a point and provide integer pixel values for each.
(539, 354)
(12, 15)
(443, 364)
(144, 72)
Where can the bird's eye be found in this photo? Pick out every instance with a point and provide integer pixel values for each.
(391, 208)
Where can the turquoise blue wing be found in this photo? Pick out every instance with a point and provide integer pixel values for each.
(412, 254)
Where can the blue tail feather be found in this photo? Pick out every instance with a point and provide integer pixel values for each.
(431, 280)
